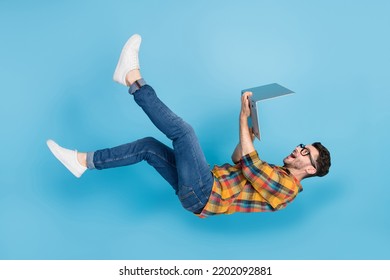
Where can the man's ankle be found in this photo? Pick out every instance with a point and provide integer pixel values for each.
(82, 159)
(132, 76)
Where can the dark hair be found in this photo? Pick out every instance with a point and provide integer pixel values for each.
(323, 160)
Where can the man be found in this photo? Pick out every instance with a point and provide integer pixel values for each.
(250, 185)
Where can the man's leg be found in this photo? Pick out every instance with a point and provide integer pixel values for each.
(195, 180)
(155, 153)
(194, 176)
(158, 155)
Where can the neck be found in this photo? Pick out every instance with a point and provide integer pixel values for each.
(298, 174)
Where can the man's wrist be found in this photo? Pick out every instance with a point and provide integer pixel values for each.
(243, 118)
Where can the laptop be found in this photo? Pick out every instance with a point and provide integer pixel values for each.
(260, 94)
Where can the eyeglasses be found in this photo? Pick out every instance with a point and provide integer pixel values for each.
(306, 152)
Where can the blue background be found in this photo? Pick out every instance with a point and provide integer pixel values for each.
(57, 60)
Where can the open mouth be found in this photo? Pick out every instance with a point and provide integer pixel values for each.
(293, 154)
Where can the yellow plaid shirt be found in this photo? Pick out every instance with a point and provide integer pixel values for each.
(251, 185)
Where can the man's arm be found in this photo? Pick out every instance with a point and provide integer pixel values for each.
(245, 146)
(237, 153)
(236, 156)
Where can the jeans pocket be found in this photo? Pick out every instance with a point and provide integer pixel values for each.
(189, 199)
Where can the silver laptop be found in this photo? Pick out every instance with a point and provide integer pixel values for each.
(259, 94)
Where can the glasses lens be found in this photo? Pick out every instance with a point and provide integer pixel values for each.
(305, 151)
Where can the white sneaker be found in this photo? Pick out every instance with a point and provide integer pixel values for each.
(67, 158)
(128, 59)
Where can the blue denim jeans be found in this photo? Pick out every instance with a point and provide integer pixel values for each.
(184, 167)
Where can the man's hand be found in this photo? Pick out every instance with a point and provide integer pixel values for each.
(245, 146)
(245, 105)
(246, 135)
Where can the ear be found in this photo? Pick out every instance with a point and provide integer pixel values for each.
(310, 170)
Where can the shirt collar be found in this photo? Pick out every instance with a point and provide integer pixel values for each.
(300, 188)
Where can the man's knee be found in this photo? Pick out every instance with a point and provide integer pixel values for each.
(187, 129)
(149, 139)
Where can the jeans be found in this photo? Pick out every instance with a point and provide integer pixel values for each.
(184, 167)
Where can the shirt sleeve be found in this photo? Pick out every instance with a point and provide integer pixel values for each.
(264, 180)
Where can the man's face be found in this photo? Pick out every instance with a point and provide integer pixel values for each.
(302, 157)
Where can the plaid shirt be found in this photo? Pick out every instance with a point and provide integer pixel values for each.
(251, 185)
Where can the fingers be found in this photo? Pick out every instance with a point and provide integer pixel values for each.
(245, 95)
(245, 108)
